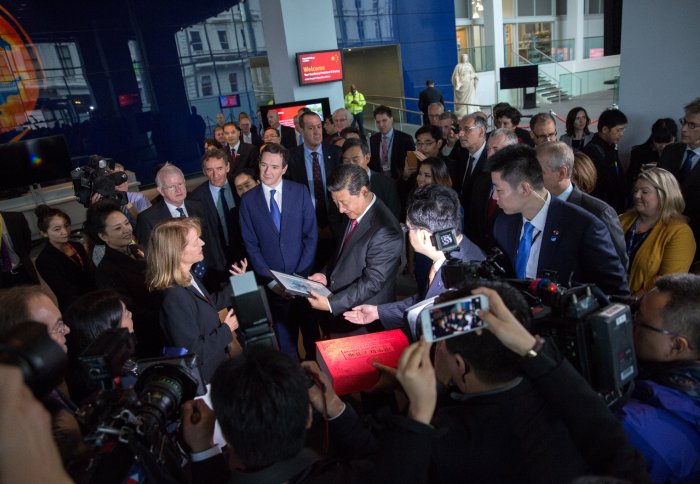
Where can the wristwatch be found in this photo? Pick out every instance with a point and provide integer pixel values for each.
(536, 348)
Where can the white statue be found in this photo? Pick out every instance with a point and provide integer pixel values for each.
(464, 81)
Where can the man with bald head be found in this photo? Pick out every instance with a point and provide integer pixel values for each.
(342, 118)
(434, 112)
(287, 134)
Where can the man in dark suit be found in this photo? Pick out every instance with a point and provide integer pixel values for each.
(356, 151)
(218, 196)
(540, 234)
(472, 138)
(432, 208)
(681, 159)
(310, 164)
(240, 155)
(428, 96)
(278, 223)
(16, 267)
(364, 268)
(557, 161)
(389, 146)
(483, 209)
(170, 183)
(249, 132)
(287, 135)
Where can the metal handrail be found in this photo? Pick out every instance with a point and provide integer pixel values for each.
(557, 63)
(556, 81)
(480, 106)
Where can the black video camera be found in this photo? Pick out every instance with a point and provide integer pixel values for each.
(97, 177)
(249, 301)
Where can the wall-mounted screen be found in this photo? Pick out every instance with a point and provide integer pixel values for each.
(38, 160)
(287, 111)
(230, 101)
(321, 66)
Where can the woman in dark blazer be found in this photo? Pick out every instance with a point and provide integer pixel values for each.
(63, 264)
(189, 315)
(123, 269)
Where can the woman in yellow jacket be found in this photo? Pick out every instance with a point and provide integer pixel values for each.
(659, 241)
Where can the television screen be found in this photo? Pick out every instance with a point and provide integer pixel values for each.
(321, 66)
(516, 77)
(287, 111)
(39, 160)
(230, 101)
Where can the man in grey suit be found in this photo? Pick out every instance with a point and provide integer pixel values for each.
(364, 267)
(432, 208)
(356, 151)
(681, 159)
(557, 161)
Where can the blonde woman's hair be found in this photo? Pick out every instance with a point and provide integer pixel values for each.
(165, 247)
(584, 175)
(671, 203)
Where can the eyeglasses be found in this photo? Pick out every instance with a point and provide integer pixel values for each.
(174, 187)
(548, 136)
(685, 122)
(420, 144)
(60, 328)
(660, 331)
(467, 129)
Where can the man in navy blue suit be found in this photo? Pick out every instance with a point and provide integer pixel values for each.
(541, 234)
(432, 208)
(278, 225)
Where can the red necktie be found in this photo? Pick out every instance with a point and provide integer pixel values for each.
(353, 225)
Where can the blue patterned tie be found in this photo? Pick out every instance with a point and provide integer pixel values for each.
(524, 248)
(275, 210)
(199, 269)
(687, 166)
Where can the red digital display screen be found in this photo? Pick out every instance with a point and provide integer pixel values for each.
(230, 101)
(287, 113)
(129, 99)
(319, 67)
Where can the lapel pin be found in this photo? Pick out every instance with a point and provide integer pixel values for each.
(555, 235)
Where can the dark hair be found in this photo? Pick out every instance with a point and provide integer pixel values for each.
(261, 401)
(517, 163)
(96, 219)
(218, 154)
(693, 107)
(353, 142)
(429, 82)
(212, 142)
(349, 129)
(304, 114)
(433, 208)
(229, 123)
(90, 315)
(435, 132)
(682, 312)
(441, 174)
(347, 176)
(275, 149)
(663, 130)
(541, 118)
(508, 112)
(44, 214)
(571, 117)
(245, 171)
(382, 110)
(485, 354)
(13, 302)
(611, 118)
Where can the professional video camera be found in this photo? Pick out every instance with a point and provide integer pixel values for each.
(132, 430)
(249, 301)
(594, 334)
(97, 177)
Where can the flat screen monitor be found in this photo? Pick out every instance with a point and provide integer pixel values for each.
(287, 111)
(229, 101)
(39, 160)
(320, 66)
(517, 77)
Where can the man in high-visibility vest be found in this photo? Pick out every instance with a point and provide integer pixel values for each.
(355, 103)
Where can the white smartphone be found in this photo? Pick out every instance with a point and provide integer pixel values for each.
(453, 318)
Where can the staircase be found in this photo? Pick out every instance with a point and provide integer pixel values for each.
(549, 91)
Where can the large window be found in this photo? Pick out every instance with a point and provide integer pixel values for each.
(206, 86)
(66, 60)
(196, 40)
(594, 7)
(233, 81)
(223, 39)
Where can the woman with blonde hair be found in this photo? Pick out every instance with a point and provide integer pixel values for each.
(584, 174)
(189, 315)
(658, 238)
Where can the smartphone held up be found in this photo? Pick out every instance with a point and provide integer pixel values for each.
(453, 318)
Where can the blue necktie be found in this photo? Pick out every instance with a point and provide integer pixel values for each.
(524, 248)
(687, 166)
(275, 210)
(199, 269)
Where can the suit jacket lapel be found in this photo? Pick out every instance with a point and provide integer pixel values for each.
(264, 210)
(196, 293)
(550, 236)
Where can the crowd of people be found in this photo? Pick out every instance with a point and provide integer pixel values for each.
(326, 201)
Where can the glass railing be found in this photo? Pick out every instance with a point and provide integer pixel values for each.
(592, 47)
(482, 58)
(591, 81)
(562, 50)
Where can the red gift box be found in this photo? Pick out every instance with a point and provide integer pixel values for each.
(348, 361)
